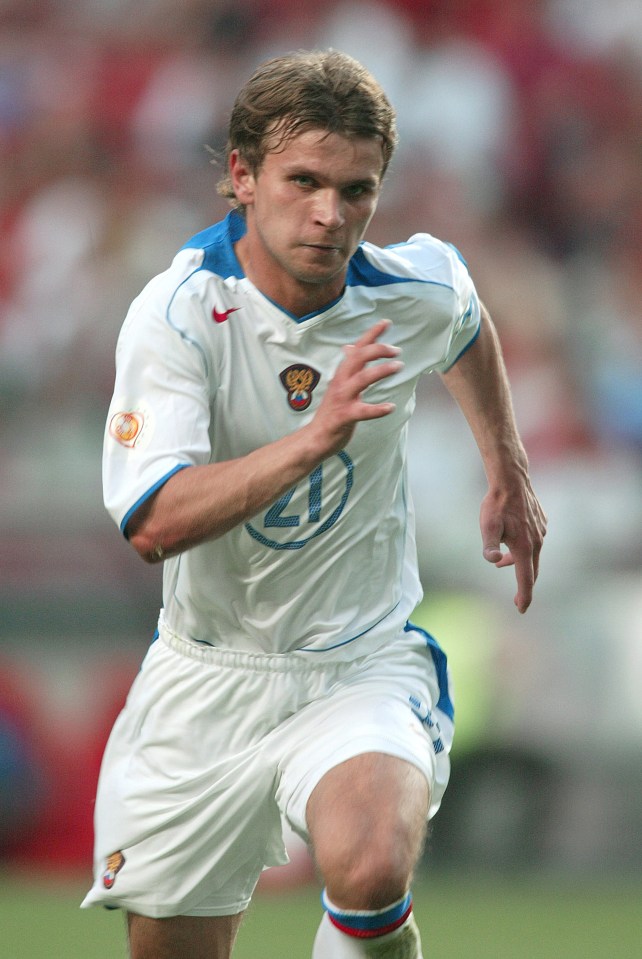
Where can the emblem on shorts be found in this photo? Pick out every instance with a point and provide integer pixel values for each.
(300, 382)
(428, 721)
(115, 863)
(126, 427)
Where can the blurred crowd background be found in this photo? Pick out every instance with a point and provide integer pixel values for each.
(521, 143)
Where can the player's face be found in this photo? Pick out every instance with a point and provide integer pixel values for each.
(307, 210)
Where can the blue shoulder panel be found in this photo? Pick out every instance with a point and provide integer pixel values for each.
(217, 242)
(362, 273)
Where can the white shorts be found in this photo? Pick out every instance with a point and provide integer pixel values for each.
(214, 749)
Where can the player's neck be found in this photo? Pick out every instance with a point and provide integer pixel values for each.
(295, 295)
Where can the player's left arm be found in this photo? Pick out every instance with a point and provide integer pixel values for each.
(510, 511)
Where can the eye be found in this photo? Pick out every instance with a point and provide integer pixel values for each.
(355, 191)
(303, 180)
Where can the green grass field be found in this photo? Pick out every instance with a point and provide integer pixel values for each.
(467, 918)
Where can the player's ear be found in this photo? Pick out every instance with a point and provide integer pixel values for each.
(242, 178)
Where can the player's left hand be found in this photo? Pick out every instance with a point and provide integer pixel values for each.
(513, 516)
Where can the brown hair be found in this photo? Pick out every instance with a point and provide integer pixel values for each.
(307, 90)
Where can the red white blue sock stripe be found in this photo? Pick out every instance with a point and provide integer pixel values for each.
(368, 924)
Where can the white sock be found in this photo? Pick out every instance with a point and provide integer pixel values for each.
(332, 943)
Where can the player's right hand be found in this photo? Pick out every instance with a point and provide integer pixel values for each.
(343, 405)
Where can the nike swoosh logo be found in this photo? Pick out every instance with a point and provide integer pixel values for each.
(221, 317)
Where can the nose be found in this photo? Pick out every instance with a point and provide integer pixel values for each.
(329, 209)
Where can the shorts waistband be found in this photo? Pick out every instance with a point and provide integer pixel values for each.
(240, 659)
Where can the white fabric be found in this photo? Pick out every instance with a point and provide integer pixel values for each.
(200, 361)
(215, 747)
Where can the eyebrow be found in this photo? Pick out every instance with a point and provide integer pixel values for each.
(365, 181)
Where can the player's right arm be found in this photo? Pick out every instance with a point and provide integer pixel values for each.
(205, 501)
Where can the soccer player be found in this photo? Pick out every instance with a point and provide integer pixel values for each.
(256, 445)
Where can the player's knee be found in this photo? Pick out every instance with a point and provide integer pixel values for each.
(371, 880)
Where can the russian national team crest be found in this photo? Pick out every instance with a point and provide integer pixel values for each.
(299, 382)
(115, 863)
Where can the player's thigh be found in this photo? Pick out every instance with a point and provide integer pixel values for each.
(391, 707)
(367, 821)
(187, 937)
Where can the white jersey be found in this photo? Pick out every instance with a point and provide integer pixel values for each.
(209, 369)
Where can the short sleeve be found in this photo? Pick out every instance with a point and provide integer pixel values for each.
(158, 420)
(450, 296)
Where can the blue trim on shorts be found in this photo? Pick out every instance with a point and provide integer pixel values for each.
(445, 703)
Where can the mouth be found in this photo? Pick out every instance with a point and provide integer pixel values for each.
(323, 247)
